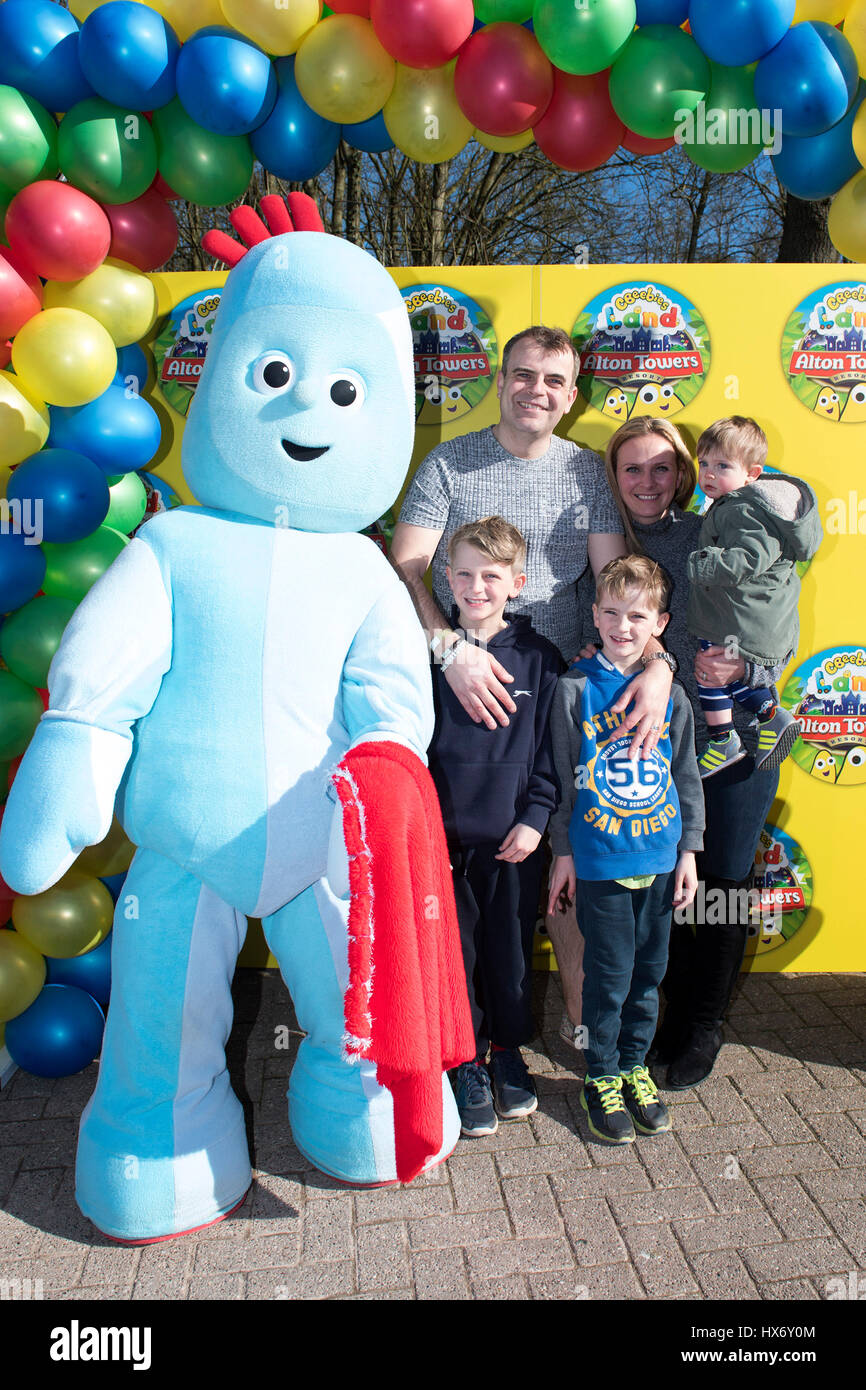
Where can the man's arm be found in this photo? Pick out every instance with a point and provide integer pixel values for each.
(474, 675)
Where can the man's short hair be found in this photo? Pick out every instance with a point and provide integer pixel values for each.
(738, 438)
(635, 572)
(550, 339)
(494, 537)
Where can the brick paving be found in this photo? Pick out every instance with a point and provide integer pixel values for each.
(759, 1192)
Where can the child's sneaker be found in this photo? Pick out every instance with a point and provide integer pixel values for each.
(641, 1097)
(513, 1087)
(776, 737)
(721, 752)
(608, 1118)
(474, 1096)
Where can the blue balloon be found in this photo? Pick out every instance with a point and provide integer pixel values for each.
(132, 368)
(119, 431)
(39, 53)
(295, 143)
(817, 166)
(129, 55)
(740, 31)
(811, 77)
(22, 563)
(90, 972)
(67, 491)
(370, 136)
(114, 883)
(662, 11)
(225, 81)
(60, 1034)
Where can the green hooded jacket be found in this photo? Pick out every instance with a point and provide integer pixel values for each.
(744, 584)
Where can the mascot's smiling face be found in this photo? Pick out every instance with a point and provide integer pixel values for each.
(304, 413)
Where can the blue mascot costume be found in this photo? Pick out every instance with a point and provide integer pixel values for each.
(250, 684)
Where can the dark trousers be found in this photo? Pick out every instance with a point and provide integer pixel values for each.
(705, 959)
(497, 908)
(626, 933)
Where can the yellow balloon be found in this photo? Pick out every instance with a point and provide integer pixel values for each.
(117, 296)
(854, 30)
(22, 974)
(846, 220)
(277, 26)
(83, 8)
(186, 16)
(342, 70)
(68, 919)
(858, 135)
(830, 11)
(65, 356)
(24, 420)
(505, 144)
(113, 855)
(423, 116)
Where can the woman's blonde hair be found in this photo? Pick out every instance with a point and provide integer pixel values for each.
(686, 473)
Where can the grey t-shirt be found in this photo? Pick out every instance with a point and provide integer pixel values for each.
(555, 501)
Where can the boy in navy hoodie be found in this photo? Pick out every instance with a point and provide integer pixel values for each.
(497, 788)
(624, 839)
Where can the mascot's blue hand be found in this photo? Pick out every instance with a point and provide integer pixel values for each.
(62, 800)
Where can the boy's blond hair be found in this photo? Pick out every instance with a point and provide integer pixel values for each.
(494, 537)
(738, 438)
(634, 572)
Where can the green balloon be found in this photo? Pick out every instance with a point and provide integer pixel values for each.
(20, 712)
(725, 134)
(73, 567)
(492, 11)
(207, 169)
(660, 76)
(106, 151)
(583, 38)
(127, 504)
(31, 635)
(28, 140)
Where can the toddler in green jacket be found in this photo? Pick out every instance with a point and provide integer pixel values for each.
(744, 585)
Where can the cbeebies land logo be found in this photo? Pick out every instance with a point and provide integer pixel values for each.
(644, 350)
(827, 695)
(455, 352)
(824, 353)
(181, 347)
(782, 878)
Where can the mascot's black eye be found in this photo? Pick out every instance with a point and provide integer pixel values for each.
(273, 373)
(344, 392)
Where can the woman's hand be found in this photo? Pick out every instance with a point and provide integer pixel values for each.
(716, 668)
(563, 884)
(647, 698)
(518, 844)
(476, 678)
(685, 879)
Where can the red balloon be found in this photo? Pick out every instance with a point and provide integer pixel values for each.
(5, 354)
(503, 80)
(359, 7)
(144, 232)
(164, 191)
(20, 293)
(57, 230)
(580, 129)
(420, 34)
(643, 144)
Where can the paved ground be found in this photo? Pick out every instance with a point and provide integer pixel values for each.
(757, 1194)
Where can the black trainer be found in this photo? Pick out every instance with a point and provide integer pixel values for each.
(474, 1097)
(608, 1118)
(513, 1087)
(696, 1058)
(641, 1097)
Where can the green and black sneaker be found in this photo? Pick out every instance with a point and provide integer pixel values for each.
(608, 1118)
(642, 1102)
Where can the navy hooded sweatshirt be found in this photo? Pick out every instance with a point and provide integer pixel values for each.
(488, 780)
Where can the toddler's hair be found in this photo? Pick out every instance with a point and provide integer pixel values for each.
(494, 537)
(738, 438)
(635, 572)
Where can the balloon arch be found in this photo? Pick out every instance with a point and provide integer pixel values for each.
(109, 111)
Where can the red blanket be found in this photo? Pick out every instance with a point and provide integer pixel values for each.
(406, 1006)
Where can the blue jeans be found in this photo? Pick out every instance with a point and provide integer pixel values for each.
(626, 931)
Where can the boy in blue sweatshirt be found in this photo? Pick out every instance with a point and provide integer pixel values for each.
(497, 788)
(624, 840)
